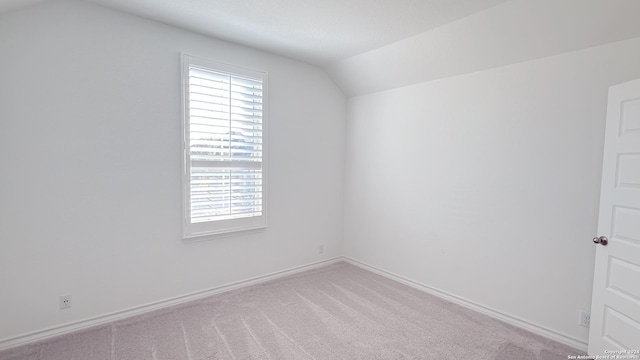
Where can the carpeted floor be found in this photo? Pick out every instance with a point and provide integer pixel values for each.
(336, 312)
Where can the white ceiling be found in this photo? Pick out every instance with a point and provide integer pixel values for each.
(321, 32)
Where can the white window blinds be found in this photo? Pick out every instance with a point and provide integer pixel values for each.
(224, 148)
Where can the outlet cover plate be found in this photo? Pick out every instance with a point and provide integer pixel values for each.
(65, 301)
(585, 318)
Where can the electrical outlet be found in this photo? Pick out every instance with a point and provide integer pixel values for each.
(65, 301)
(321, 249)
(585, 319)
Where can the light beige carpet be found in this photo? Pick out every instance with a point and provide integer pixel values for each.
(335, 312)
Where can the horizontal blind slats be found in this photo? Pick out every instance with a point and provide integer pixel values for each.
(225, 132)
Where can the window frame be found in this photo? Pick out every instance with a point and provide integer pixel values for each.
(227, 227)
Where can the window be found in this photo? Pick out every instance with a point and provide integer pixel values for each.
(224, 152)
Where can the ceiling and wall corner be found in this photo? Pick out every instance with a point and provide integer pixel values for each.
(318, 32)
(513, 32)
(372, 46)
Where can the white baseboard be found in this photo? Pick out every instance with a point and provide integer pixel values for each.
(118, 315)
(509, 319)
(111, 317)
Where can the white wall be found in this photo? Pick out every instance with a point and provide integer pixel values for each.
(486, 185)
(90, 158)
(482, 185)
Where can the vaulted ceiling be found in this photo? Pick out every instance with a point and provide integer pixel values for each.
(320, 32)
(372, 45)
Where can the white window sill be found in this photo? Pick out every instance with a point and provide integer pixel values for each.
(220, 235)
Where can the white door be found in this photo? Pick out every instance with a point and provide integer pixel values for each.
(615, 309)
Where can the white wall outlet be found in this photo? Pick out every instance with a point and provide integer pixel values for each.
(585, 318)
(321, 249)
(65, 301)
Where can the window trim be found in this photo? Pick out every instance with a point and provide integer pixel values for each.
(230, 227)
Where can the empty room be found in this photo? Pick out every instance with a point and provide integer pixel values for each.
(306, 179)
